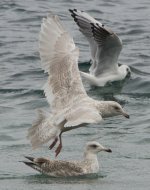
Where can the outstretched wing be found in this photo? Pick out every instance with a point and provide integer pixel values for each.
(59, 57)
(84, 21)
(109, 48)
(105, 45)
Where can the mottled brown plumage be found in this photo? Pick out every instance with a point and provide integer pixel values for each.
(58, 168)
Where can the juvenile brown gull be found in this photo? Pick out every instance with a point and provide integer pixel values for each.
(70, 106)
(105, 47)
(59, 168)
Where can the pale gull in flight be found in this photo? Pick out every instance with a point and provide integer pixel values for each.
(105, 47)
(70, 106)
(60, 168)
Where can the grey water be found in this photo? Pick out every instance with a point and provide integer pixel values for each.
(21, 82)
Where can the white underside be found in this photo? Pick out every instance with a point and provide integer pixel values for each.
(102, 80)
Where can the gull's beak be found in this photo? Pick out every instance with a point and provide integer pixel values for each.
(107, 150)
(129, 74)
(125, 115)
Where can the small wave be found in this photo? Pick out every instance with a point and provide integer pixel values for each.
(11, 126)
(33, 92)
(5, 109)
(9, 90)
(140, 8)
(6, 138)
(22, 92)
(42, 178)
(27, 57)
(27, 20)
(144, 141)
(99, 12)
(28, 73)
(137, 95)
(144, 56)
(15, 146)
(134, 31)
(136, 71)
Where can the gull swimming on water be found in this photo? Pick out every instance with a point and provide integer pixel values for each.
(105, 47)
(60, 168)
(70, 106)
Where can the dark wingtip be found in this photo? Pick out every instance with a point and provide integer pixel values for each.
(73, 10)
(72, 13)
(70, 10)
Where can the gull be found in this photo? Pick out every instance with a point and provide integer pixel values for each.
(105, 47)
(70, 106)
(63, 168)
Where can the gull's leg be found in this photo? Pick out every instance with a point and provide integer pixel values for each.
(53, 143)
(57, 151)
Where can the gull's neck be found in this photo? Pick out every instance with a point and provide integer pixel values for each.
(122, 72)
(103, 107)
(91, 162)
(89, 155)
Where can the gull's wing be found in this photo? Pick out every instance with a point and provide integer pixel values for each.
(84, 21)
(82, 115)
(59, 57)
(109, 48)
(55, 167)
(108, 45)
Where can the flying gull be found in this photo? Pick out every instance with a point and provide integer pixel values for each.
(105, 47)
(60, 168)
(70, 106)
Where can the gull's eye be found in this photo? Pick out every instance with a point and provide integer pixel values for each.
(116, 108)
(127, 70)
(93, 146)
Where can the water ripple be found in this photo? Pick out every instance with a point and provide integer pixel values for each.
(21, 79)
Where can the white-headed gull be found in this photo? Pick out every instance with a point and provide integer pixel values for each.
(105, 47)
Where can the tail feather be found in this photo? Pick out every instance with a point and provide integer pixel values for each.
(33, 165)
(42, 130)
(30, 158)
(36, 163)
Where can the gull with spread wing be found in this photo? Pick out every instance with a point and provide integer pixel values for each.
(105, 47)
(70, 106)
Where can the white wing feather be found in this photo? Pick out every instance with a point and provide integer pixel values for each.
(59, 57)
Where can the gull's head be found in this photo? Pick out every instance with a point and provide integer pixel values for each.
(94, 147)
(113, 109)
(125, 70)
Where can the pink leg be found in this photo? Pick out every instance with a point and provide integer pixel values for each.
(57, 151)
(53, 143)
